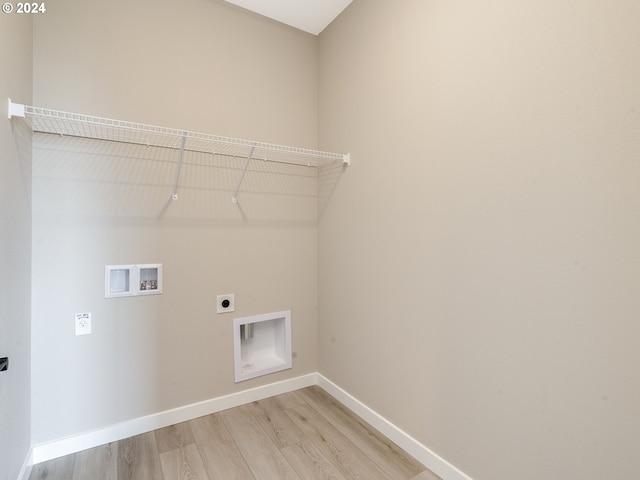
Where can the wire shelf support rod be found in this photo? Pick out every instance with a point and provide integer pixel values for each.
(244, 171)
(179, 167)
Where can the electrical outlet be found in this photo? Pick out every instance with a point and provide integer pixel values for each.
(83, 323)
(226, 303)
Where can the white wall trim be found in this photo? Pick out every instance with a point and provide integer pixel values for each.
(65, 446)
(25, 471)
(424, 455)
(76, 443)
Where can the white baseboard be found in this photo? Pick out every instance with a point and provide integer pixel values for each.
(58, 448)
(424, 455)
(76, 443)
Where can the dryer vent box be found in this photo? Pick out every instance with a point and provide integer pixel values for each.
(262, 344)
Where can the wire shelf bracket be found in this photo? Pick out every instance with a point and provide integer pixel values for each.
(174, 196)
(234, 199)
(15, 110)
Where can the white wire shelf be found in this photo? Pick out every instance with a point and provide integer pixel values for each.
(74, 124)
(45, 120)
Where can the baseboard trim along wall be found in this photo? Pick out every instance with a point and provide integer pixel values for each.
(65, 446)
(424, 455)
(76, 443)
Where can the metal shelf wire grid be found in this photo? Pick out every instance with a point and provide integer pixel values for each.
(79, 125)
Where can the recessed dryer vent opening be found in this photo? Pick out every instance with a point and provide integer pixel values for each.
(262, 344)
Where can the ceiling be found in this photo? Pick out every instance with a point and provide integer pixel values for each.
(312, 16)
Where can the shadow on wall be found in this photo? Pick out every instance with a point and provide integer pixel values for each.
(97, 179)
(328, 177)
(23, 137)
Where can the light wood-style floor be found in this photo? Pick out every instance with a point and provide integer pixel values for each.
(302, 435)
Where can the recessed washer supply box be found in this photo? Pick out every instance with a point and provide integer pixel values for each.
(132, 280)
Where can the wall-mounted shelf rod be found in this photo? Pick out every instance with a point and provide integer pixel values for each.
(44, 120)
(244, 170)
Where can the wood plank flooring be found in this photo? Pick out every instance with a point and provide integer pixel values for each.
(301, 435)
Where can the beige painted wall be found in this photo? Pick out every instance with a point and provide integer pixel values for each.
(15, 248)
(199, 65)
(480, 262)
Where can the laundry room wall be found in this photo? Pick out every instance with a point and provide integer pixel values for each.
(480, 261)
(197, 65)
(15, 248)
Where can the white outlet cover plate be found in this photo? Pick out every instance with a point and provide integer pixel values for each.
(232, 303)
(83, 323)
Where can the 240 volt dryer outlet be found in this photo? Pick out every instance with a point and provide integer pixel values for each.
(226, 303)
